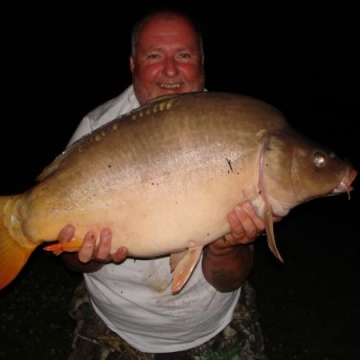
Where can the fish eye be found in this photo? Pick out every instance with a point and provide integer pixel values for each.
(320, 159)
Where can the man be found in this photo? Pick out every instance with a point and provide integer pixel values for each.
(132, 313)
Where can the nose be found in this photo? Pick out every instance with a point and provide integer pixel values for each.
(170, 67)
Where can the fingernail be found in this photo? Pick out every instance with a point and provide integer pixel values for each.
(105, 234)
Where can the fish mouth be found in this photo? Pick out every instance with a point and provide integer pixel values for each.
(346, 183)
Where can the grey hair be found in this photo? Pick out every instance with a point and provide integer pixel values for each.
(169, 12)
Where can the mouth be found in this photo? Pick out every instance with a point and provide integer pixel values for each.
(346, 183)
(169, 86)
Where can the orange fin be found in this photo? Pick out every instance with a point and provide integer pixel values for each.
(13, 257)
(184, 266)
(175, 259)
(270, 233)
(71, 246)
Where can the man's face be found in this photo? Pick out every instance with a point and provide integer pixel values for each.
(168, 59)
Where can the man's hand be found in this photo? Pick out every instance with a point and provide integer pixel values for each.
(91, 257)
(227, 262)
(245, 227)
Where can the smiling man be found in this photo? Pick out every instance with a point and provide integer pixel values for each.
(125, 309)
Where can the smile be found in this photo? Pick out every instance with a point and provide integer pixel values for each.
(169, 86)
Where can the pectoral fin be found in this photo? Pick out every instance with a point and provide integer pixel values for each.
(183, 264)
(269, 227)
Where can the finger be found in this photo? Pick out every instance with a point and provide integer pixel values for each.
(86, 251)
(245, 227)
(66, 234)
(237, 230)
(103, 250)
(120, 255)
(255, 219)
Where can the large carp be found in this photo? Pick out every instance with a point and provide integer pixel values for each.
(164, 178)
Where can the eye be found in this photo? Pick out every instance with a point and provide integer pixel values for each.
(153, 56)
(320, 159)
(184, 56)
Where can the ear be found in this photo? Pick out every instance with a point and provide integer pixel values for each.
(132, 63)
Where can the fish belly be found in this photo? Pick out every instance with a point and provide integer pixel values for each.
(154, 217)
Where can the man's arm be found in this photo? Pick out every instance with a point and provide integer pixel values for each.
(227, 262)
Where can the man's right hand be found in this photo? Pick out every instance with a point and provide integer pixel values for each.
(90, 257)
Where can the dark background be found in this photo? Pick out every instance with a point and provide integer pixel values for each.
(59, 62)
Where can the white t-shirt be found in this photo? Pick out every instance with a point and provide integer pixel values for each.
(134, 299)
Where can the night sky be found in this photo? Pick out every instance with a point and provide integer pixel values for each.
(60, 63)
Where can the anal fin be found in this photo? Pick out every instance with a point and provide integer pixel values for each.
(73, 245)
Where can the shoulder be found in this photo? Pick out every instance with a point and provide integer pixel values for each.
(113, 108)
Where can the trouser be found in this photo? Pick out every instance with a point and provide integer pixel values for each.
(241, 340)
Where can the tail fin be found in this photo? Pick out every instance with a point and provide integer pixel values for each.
(13, 256)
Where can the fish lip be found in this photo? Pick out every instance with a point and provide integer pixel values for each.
(346, 183)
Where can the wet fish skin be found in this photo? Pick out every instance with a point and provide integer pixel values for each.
(165, 176)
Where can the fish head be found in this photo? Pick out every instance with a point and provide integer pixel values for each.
(295, 170)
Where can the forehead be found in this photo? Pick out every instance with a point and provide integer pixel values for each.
(167, 29)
